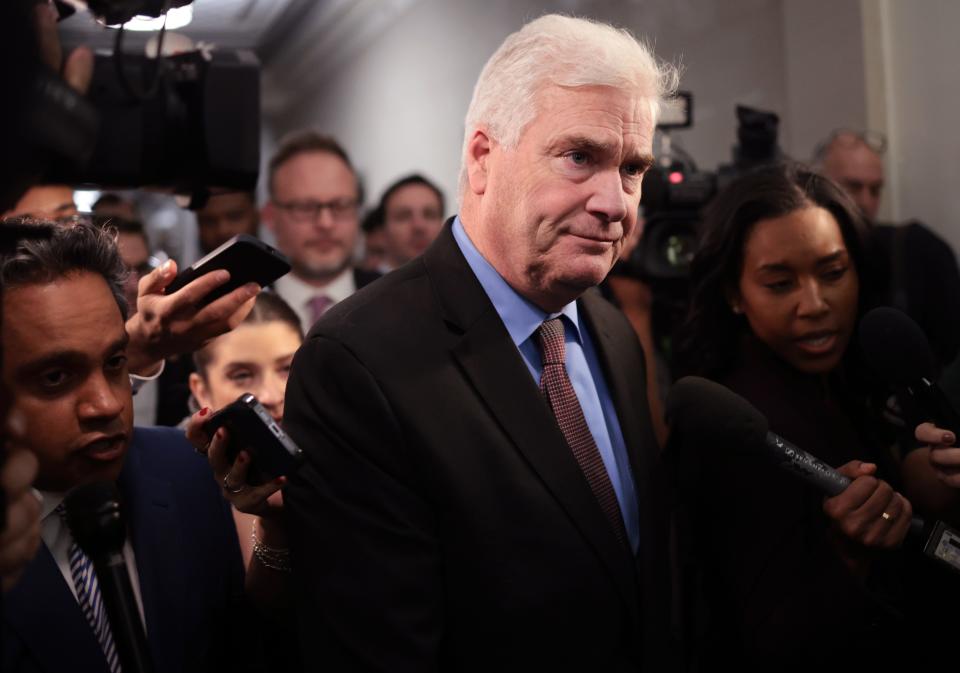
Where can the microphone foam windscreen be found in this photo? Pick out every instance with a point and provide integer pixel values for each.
(95, 517)
(702, 410)
(895, 347)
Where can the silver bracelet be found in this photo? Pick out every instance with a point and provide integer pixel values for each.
(270, 557)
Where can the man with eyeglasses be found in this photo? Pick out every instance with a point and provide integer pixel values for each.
(314, 213)
(913, 269)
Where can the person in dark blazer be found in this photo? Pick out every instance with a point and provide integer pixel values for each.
(481, 490)
(64, 365)
(189, 572)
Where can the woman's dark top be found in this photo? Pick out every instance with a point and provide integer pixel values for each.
(773, 592)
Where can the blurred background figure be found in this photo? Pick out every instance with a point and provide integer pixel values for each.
(913, 268)
(111, 204)
(46, 202)
(374, 241)
(225, 216)
(411, 211)
(313, 211)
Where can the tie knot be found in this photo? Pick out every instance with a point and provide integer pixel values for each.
(319, 305)
(552, 346)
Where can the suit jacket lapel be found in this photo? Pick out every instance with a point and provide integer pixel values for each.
(42, 611)
(151, 508)
(627, 387)
(495, 368)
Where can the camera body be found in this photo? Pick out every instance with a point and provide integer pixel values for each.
(199, 127)
(675, 193)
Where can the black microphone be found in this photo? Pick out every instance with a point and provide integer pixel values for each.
(699, 408)
(896, 348)
(97, 523)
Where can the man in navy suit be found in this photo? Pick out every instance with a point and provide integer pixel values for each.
(65, 364)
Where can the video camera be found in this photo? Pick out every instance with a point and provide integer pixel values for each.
(180, 123)
(675, 192)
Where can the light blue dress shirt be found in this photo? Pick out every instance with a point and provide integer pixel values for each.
(522, 318)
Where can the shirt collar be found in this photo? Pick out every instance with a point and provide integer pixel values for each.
(302, 292)
(49, 501)
(520, 316)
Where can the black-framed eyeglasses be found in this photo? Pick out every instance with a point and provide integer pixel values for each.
(309, 211)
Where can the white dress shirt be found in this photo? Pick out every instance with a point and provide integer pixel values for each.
(56, 536)
(298, 293)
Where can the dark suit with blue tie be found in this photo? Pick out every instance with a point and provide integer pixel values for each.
(189, 569)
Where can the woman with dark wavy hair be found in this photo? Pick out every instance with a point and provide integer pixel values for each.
(794, 581)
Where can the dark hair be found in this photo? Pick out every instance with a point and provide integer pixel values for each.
(75, 246)
(710, 335)
(114, 224)
(109, 199)
(414, 179)
(302, 142)
(268, 307)
(373, 221)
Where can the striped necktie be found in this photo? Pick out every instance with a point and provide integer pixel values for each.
(89, 598)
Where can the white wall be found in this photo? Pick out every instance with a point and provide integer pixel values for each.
(824, 73)
(398, 105)
(924, 155)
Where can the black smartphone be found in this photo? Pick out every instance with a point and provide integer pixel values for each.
(248, 259)
(251, 427)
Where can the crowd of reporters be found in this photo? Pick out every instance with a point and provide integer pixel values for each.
(769, 574)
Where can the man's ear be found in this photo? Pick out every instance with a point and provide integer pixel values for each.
(479, 149)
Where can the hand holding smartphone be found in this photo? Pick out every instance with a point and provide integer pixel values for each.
(248, 259)
(273, 454)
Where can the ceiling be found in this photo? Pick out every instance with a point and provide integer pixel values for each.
(227, 24)
(298, 41)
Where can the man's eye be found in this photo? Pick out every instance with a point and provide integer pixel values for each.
(117, 362)
(633, 170)
(53, 378)
(835, 273)
(579, 158)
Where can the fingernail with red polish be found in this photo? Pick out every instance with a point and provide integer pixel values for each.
(204, 411)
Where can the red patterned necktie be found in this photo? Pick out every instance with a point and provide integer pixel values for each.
(556, 387)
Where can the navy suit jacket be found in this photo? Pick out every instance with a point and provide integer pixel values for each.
(188, 562)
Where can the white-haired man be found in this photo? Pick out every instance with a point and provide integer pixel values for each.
(480, 490)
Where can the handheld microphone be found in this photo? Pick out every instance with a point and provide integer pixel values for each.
(702, 408)
(897, 349)
(99, 527)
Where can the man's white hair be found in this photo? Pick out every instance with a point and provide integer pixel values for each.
(561, 51)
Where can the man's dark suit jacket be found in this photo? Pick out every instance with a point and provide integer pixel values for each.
(189, 568)
(440, 522)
